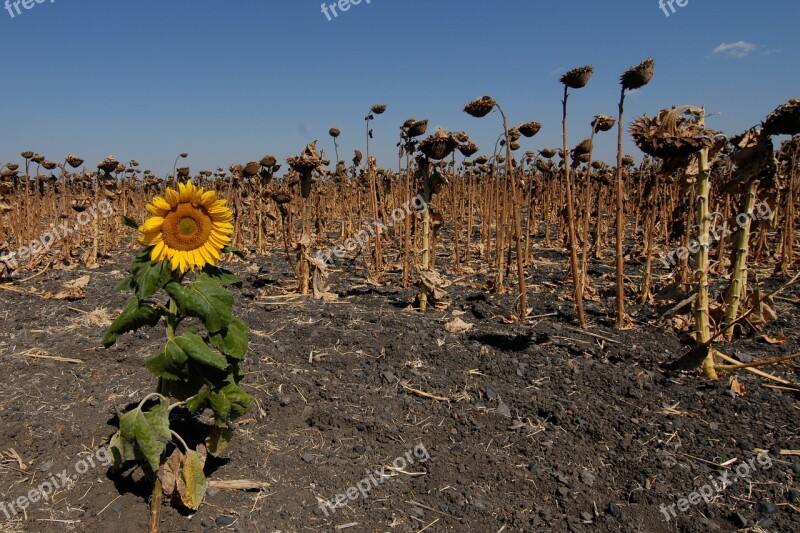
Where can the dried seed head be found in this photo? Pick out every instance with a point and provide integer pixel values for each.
(547, 152)
(584, 148)
(674, 133)
(785, 120)
(627, 160)
(184, 154)
(481, 107)
(640, 75)
(529, 129)
(417, 128)
(357, 157)
(577, 78)
(27, 154)
(378, 109)
(183, 172)
(439, 145)
(468, 150)
(268, 161)
(38, 159)
(334, 132)
(12, 167)
(251, 169)
(49, 165)
(108, 165)
(603, 123)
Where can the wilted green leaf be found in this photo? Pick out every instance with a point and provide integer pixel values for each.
(218, 440)
(233, 340)
(121, 450)
(192, 488)
(149, 431)
(205, 300)
(134, 316)
(197, 402)
(229, 403)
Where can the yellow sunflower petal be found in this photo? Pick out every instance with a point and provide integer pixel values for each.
(199, 260)
(149, 239)
(155, 211)
(161, 203)
(172, 198)
(185, 192)
(211, 253)
(158, 252)
(208, 198)
(152, 224)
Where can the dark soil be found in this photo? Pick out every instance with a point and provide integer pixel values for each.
(546, 428)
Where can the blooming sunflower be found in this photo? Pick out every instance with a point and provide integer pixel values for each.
(190, 227)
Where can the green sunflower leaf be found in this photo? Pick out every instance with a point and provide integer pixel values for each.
(148, 431)
(193, 346)
(218, 440)
(233, 341)
(169, 364)
(135, 315)
(231, 249)
(129, 222)
(121, 450)
(218, 275)
(150, 277)
(205, 300)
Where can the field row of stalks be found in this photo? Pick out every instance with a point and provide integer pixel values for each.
(486, 210)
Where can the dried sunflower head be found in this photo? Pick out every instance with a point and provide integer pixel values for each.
(673, 134)
(785, 120)
(754, 159)
(469, 149)
(603, 123)
(417, 128)
(578, 77)
(584, 148)
(27, 154)
(640, 75)
(378, 109)
(547, 152)
(480, 107)
(74, 161)
(108, 165)
(334, 132)
(439, 145)
(529, 129)
(250, 169)
(268, 161)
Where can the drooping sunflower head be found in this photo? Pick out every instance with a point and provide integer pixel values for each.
(190, 227)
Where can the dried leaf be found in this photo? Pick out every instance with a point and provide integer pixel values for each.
(736, 387)
(458, 326)
(71, 290)
(778, 339)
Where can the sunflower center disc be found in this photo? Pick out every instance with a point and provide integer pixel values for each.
(186, 228)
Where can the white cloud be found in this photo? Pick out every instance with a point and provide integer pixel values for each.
(738, 49)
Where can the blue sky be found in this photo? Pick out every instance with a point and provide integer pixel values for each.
(232, 81)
